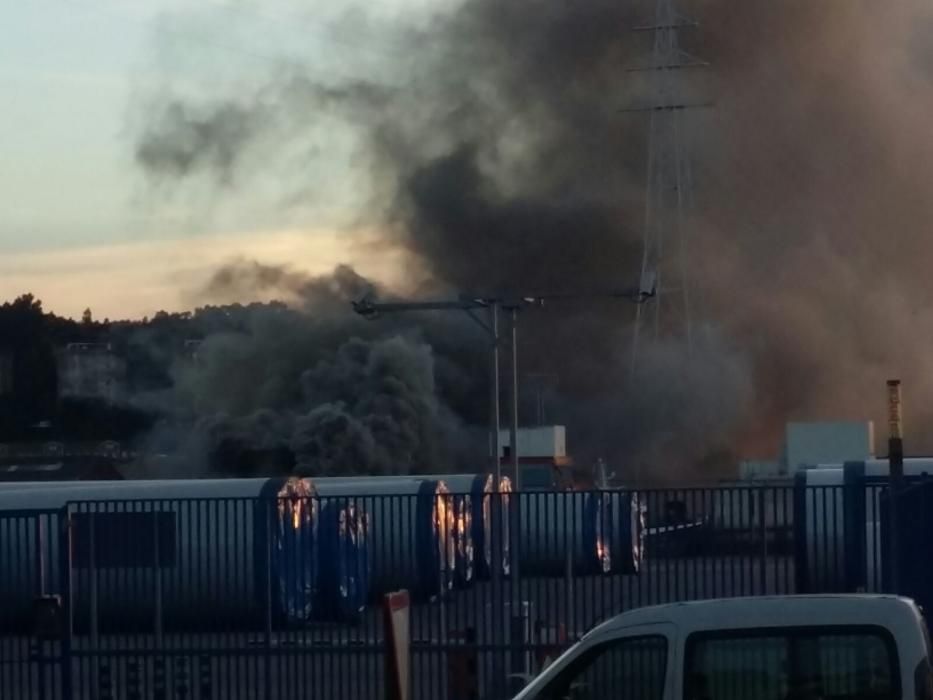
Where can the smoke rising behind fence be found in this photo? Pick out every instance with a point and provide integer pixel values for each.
(500, 161)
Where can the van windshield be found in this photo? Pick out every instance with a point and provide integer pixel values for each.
(633, 668)
(798, 664)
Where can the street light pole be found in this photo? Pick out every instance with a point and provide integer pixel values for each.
(370, 309)
(513, 432)
(515, 512)
(495, 446)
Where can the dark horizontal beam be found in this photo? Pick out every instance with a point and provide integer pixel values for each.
(669, 107)
(370, 309)
(365, 307)
(673, 25)
(668, 66)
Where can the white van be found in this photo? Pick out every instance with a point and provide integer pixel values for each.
(828, 647)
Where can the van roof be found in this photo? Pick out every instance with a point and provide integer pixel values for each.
(768, 611)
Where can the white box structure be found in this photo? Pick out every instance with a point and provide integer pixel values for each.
(809, 444)
(547, 441)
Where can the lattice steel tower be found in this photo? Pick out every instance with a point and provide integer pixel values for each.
(669, 192)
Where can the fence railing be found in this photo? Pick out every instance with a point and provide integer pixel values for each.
(279, 597)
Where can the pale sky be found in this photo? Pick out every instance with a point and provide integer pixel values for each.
(79, 224)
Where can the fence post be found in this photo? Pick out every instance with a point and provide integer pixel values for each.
(158, 678)
(92, 566)
(181, 677)
(133, 681)
(270, 508)
(204, 677)
(158, 612)
(104, 680)
(64, 561)
(763, 566)
(159, 684)
(499, 550)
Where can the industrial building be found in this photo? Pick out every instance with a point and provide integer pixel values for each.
(91, 370)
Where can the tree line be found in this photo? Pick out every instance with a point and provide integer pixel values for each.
(32, 406)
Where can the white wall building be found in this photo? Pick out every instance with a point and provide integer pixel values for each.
(808, 444)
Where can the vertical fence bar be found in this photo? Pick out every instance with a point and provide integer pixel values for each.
(763, 530)
(158, 612)
(788, 528)
(730, 527)
(159, 681)
(225, 560)
(8, 656)
(133, 680)
(65, 572)
(267, 512)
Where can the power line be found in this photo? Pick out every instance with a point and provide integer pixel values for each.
(668, 191)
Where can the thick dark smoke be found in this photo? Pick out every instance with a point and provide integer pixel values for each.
(505, 165)
(375, 410)
(308, 386)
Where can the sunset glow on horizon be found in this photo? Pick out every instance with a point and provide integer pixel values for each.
(129, 280)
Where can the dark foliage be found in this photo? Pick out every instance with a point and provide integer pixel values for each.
(31, 408)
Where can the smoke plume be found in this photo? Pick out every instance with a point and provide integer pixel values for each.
(503, 163)
(181, 141)
(308, 386)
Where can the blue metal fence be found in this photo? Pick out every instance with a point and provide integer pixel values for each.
(278, 597)
(30, 656)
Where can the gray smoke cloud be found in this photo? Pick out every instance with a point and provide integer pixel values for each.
(379, 402)
(327, 295)
(310, 387)
(183, 141)
(330, 441)
(504, 165)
